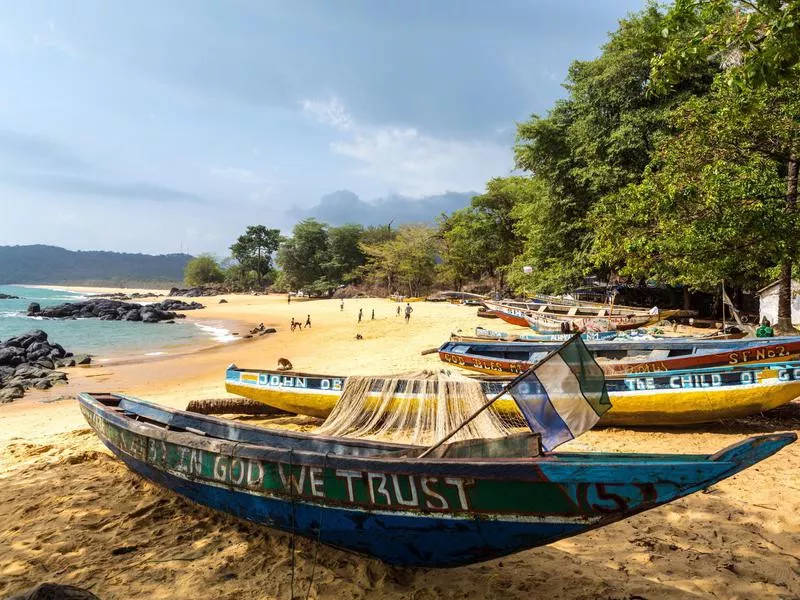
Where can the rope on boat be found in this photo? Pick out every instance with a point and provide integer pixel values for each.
(319, 533)
(291, 496)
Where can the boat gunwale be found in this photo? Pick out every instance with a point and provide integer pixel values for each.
(388, 462)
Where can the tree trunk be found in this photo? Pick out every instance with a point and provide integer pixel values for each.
(687, 300)
(784, 325)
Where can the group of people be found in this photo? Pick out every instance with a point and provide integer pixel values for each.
(297, 325)
(408, 312)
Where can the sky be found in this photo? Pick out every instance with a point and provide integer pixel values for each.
(165, 126)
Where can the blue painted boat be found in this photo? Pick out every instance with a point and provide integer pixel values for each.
(663, 354)
(470, 501)
(482, 335)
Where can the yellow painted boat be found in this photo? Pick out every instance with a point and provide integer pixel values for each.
(641, 399)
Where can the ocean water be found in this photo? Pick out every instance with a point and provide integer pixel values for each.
(103, 339)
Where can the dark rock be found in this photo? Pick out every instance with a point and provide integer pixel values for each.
(107, 310)
(25, 340)
(56, 376)
(10, 393)
(223, 301)
(30, 372)
(198, 291)
(270, 330)
(46, 363)
(65, 362)
(37, 350)
(42, 384)
(6, 373)
(82, 359)
(8, 297)
(172, 304)
(34, 309)
(54, 591)
(9, 353)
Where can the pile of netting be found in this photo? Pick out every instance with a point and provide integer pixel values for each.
(416, 408)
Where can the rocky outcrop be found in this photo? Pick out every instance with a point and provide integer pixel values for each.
(8, 297)
(122, 296)
(115, 310)
(30, 361)
(54, 591)
(196, 292)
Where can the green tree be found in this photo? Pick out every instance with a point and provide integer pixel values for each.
(720, 199)
(253, 250)
(593, 144)
(201, 270)
(305, 256)
(755, 42)
(406, 263)
(346, 255)
(481, 239)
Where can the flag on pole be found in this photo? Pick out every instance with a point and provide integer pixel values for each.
(562, 396)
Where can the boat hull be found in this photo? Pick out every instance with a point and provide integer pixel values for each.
(503, 358)
(405, 511)
(637, 400)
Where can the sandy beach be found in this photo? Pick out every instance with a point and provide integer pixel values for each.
(71, 513)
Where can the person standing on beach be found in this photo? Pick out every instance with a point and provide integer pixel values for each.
(288, 298)
(308, 321)
(341, 305)
(409, 310)
(360, 314)
(293, 324)
(373, 314)
(398, 310)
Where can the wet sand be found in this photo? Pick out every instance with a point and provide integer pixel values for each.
(71, 513)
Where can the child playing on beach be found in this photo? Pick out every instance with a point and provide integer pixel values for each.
(308, 321)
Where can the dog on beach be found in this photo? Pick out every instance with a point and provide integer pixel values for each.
(284, 364)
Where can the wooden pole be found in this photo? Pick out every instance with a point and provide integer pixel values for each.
(508, 386)
(723, 307)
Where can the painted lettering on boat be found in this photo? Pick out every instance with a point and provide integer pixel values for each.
(485, 365)
(756, 354)
(611, 498)
(375, 489)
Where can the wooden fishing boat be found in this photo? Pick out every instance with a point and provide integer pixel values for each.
(484, 335)
(630, 356)
(671, 398)
(547, 318)
(471, 502)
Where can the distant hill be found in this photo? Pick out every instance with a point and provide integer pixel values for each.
(50, 264)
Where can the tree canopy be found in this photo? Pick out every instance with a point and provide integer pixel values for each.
(201, 270)
(253, 250)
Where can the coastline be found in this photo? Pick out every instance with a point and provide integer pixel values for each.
(738, 540)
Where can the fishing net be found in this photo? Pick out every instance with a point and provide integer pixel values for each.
(417, 408)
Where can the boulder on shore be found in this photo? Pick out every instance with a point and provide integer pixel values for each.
(29, 361)
(8, 297)
(115, 310)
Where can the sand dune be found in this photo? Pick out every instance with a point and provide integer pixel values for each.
(71, 513)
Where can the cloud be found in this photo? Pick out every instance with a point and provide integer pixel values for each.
(406, 160)
(329, 112)
(37, 152)
(344, 206)
(237, 174)
(79, 186)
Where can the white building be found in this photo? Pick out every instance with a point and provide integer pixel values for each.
(768, 302)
